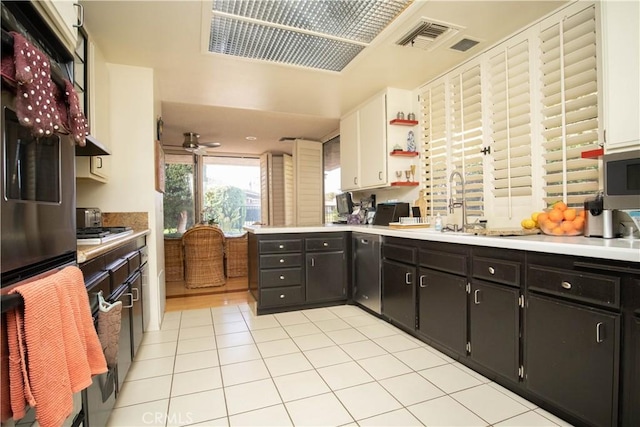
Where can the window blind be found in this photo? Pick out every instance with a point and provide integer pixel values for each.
(466, 138)
(569, 107)
(510, 122)
(434, 145)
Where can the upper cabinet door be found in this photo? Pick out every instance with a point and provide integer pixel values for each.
(349, 141)
(621, 68)
(373, 143)
(62, 15)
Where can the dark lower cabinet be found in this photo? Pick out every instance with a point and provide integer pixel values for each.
(137, 322)
(398, 293)
(631, 405)
(442, 298)
(123, 294)
(571, 358)
(494, 328)
(326, 276)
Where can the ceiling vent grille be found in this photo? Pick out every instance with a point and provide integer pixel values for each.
(426, 35)
(464, 45)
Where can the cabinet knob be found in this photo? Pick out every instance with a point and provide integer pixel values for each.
(566, 285)
(492, 270)
(280, 246)
(281, 260)
(325, 244)
(281, 296)
(281, 277)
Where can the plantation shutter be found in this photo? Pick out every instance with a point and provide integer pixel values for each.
(511, 122)
(466, 138)
(434, 138)
(569, 107)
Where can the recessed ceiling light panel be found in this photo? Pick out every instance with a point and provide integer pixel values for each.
(324, 34)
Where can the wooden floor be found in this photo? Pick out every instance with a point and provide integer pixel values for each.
(235, 291)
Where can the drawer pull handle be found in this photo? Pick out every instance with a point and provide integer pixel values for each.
(325, 244)
(599, 334)
(281, 260)
(476, 296)
(492, 270)
(421, 282)
(281, 277)
(313, 262)
(566, 285)
(281, 296)
(407, 278)
(280, 246)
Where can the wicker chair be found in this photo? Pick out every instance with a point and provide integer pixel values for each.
(173, 260)
(236, 249)
(203, 257)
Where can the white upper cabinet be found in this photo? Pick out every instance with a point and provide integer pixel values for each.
(366, 138)
(62, 15)
(621, 71)
(349, 142)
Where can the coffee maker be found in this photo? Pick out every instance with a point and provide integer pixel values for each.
(598, 222)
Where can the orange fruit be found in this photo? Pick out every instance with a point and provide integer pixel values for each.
(556, 215)
(569, 214)
(560, 205)
(581, 214)
(558, 231)
(542, 217)
(567, 227)
(578, 223)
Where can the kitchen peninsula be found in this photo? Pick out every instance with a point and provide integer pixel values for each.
(554, 319)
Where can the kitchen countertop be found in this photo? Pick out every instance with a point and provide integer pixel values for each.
(614, 249)
(88, 252)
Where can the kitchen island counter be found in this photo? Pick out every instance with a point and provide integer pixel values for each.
(614, 249)
(89, 252)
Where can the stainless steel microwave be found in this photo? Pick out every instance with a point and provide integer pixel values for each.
(622, 180)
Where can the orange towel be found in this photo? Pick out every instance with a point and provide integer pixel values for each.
(53, 346)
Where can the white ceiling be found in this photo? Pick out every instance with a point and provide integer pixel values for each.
(225, 99)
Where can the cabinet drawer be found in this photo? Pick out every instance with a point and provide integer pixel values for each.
(403, 254)
(281, 277)
(134, 261)
(496, 270)
(452, 263)
(321, 244)
(280, 246)
(593, 288)
(118, 272)
(285, 260)
(281, 296)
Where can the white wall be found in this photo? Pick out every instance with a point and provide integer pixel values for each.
(131, 185)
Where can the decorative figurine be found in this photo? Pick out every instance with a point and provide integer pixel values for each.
(411, 141)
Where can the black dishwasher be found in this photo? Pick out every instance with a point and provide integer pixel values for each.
(366, 270)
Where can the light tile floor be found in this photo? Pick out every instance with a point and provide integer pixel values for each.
(321, 367)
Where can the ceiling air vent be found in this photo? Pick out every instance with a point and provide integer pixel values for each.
(464, 45)
(425, 34)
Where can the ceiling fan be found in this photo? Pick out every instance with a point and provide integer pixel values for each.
(192, 144)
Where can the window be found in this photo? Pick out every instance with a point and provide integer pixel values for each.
(519, 114)
(231, 192)
(179, 201)
(331, 160)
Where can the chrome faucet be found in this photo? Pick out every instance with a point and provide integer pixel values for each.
(455, 203)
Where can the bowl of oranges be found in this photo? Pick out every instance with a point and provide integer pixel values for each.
(561, 220)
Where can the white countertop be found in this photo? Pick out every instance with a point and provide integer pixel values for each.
(615, 249)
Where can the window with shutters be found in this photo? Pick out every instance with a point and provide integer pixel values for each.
(569, 95)
(533, 101)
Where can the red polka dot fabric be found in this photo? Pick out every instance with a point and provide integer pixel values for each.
(36, 95)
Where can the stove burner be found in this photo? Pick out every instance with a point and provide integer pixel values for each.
(99, 232)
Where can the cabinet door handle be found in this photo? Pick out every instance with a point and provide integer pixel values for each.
(380, 176)
(421, 281)
(137, 295)
(355, 180)
(476, 296)
(407, 278)
(80, 15)
(599, 332)
(131, 304)
(313, 262)
(99, 159)
(566, 285)
(281, 277)
(281, 260)
(492, 270)
(281, 296)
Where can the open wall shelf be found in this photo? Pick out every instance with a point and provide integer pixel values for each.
(404, 153)
(403, 122)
